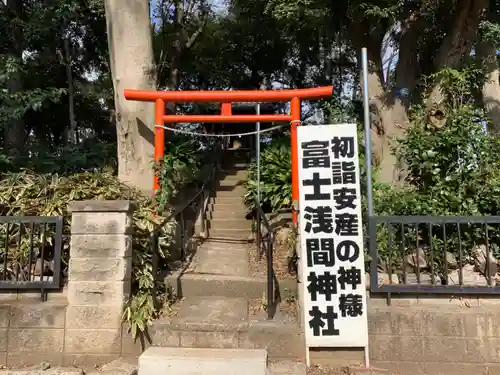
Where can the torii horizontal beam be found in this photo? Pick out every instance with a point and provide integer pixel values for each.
(294, 96)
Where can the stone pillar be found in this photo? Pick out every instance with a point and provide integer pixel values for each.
(100, 270)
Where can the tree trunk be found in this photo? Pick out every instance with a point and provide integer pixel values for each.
(71, 134)
(390, 123)
(487, 52)
(458, 42)
(131, 62)
(15, 134)
(389, 115)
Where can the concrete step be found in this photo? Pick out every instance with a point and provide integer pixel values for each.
(230, 234)
(227, 212)
(227, 185)
(221, 261)
(221, 245)
(225, 204)
(202, 311)
(230, 182)
(234, 176)
(229, 199)
(202, 361)
(228, 286)
(215, 322)
(230, 223)
(235, 193)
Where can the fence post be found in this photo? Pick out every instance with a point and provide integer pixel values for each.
(99, 281)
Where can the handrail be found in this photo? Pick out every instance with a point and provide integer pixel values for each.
(212, 172)
(267, 241)
(178, 211)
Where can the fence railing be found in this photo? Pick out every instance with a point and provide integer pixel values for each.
(30, 253)
(434, 255)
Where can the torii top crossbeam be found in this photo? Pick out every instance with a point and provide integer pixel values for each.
(226, 98)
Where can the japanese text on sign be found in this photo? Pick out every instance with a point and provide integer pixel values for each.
(332, 259)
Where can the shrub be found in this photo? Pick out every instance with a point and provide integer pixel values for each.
(48, 194)
(275, 176)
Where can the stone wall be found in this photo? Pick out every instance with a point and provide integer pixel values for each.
(411, 336)
(81, 325)
(32, 332)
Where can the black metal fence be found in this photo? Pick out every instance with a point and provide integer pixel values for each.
(30, 253)
(434, 255)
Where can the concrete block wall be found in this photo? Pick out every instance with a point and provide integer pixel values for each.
(100, 270)
(438, 335)
(82, 324)
(31, 331)
(434, 335)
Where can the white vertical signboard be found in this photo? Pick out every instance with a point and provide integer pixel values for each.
(332, 257)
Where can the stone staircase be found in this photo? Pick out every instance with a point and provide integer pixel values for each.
(217, 291)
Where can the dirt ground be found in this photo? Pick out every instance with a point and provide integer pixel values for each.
(258, 268)
(322, 370)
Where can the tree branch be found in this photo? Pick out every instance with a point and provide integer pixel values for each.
(190, 7)
(195, 35)
(179, 12)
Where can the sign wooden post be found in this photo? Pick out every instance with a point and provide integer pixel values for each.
(331, 233)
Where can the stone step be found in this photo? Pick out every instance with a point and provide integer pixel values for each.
(210, 244)
(235, 193)
(223, 203)
(203, 311)
(232, 205)
(229, 286)
(231, 199)
(230, 183)
(230, 223)
(214, 322)
(202, 361)
(221, 261)
(227, 213)
(238, 176)
(230, 234)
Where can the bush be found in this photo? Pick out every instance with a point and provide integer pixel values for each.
(181, 165)
(453, 170)
(48, 194)
(275, 176)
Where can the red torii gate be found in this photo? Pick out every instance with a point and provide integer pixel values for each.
(226, 98)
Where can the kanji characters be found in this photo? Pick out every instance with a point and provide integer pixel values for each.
(346, 224)
(351, 305)
(319, 219)
(324, 284)
(331, 223)
(318, 325)
(320, 252)
(348, 251)
(317, 182)
(315, 154)
(344, 198)
(351, 276)
(343, 147)
(343, 172)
